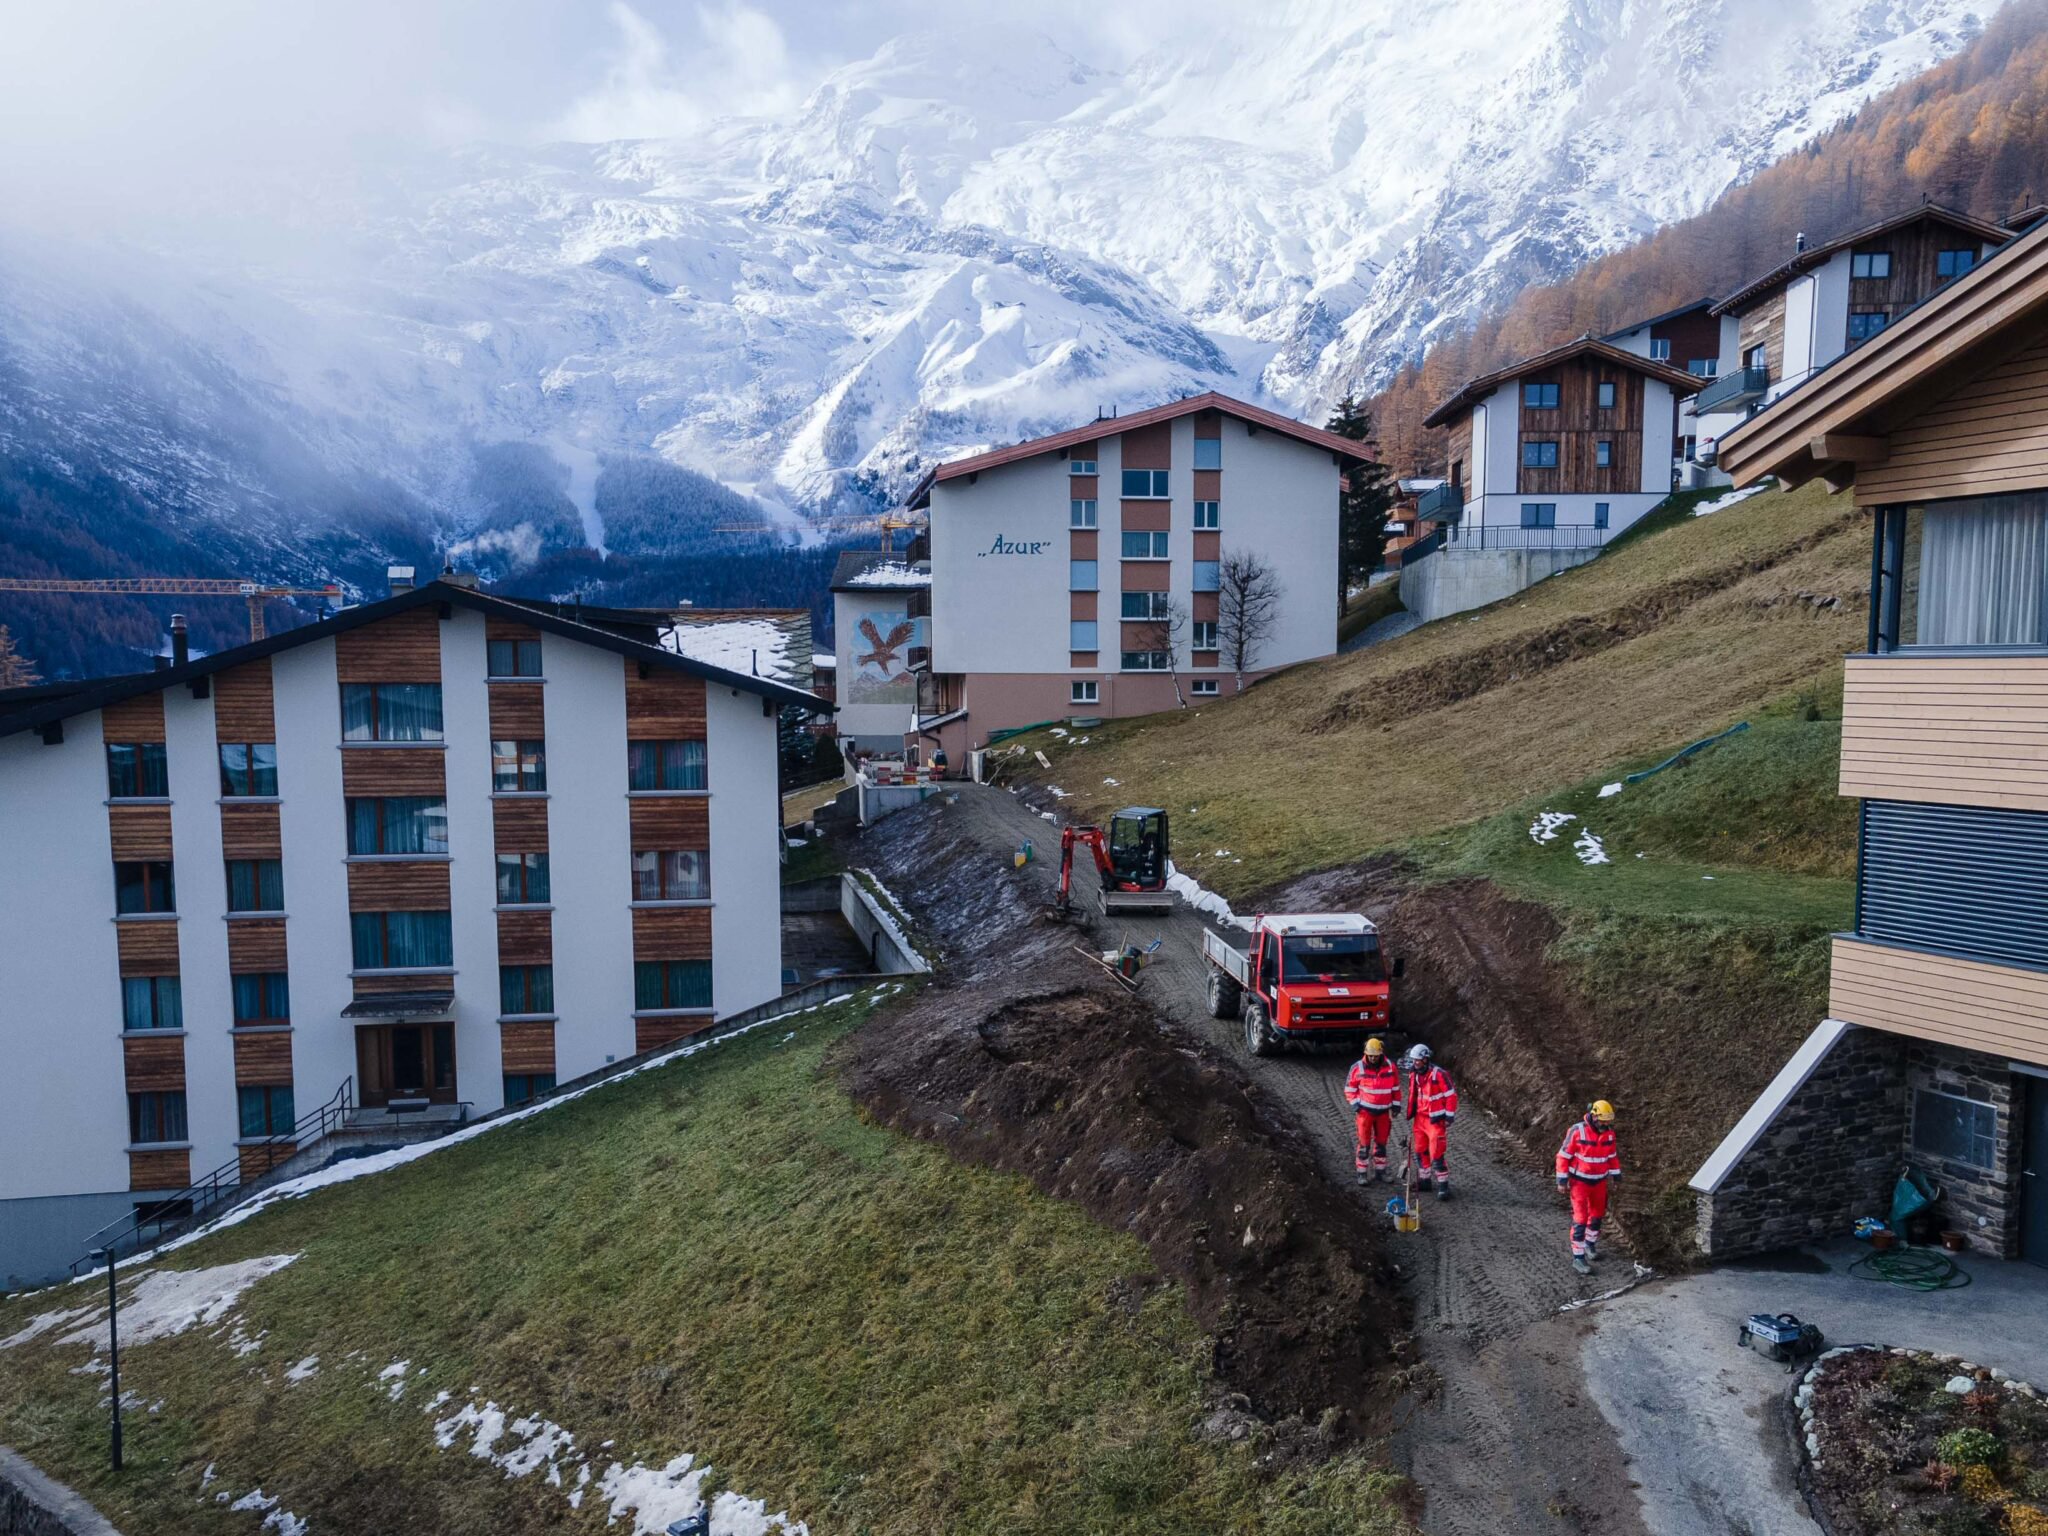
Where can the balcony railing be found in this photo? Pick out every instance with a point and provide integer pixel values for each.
(1422, 548)
(1564, 536)
(1732, 391)
(1443, 505)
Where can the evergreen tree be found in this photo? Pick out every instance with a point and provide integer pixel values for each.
(1367, 498)
(16, 670)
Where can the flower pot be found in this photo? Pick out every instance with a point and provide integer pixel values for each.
(1954, 1242)
(1880, 1241)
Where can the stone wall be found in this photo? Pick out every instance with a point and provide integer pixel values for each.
(34, 1505)
(1981, 1203)
(1832, 1154)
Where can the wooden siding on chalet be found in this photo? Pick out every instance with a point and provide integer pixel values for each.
(1458, 450)
(140, 831)
(242, 703)
(519, 826)
(398, 887)
(394, 771)
(405, 648)
(149, 949)
(138, 719)
(161, 1172)
(526, 938)
(251, 832)
(671, 933)
(1578, 425)
(259, 1160)
(662, 706)
(153, 1061)
(1987, 438)
(385, 986)
(263, 1058)
(256, 946)
(671, 823)
(1997, 1009)
(1763, 324)
(528, 1046)
(1914, 251)
(1950, 730)
(653, 1034)
(517, 712)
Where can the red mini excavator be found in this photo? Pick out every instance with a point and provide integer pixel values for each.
(1130, 859)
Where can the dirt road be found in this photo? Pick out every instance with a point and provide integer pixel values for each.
(1509, 1439)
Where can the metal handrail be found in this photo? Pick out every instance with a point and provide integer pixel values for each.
(1442, 504)
(188, 1205)
(1562, 536)
(1736, 388)
(1427, 545)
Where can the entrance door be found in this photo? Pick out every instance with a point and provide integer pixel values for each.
(2034, 1171)
(406, 1061)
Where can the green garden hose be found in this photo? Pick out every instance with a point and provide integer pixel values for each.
(1918, 1269)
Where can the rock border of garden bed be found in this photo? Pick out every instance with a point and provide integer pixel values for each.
(1798, 1403)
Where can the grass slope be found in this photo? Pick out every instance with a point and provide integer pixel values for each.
(721, 1257)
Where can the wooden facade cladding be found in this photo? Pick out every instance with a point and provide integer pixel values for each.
(242, 708)
(1763, 324)
(671, 823)
(1914, 250)
(1579, 425)
(259, 1160)
(405, 648)
(1950, 730)
(251, 832)
(138, 719)
(153, 1061)
(398, 887)
(255, 946)
(671, 933)
(1147, 516)
(516, 712)
(662, 706)
(653, 1034)
(384, 986)
(496, 628)
(1990, 437)
(140, 831)
(527, 1047)
(519, 826)
(526, 938)
(160, 1170)
(1459, 468)
(148, 949)
(1149, 447)
(394, 771)
(1997, 1009)
(263, 1058)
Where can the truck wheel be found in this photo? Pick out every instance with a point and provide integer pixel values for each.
(1258, 1039)
(1224, 996)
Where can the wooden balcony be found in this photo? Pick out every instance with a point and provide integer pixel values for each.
(1949, 729)
(2001, 1010)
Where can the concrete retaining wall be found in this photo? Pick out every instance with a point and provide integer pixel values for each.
(1455, 580)
(34, 1505)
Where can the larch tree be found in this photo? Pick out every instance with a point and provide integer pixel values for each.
(16, 670)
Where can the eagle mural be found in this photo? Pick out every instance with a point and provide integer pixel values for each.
(884, 652)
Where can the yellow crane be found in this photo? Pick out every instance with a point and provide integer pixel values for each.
(256, 593)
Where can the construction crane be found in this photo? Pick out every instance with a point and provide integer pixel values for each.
(887, 522)
(171, 586)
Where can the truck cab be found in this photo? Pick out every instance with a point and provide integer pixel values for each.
(1307, 978)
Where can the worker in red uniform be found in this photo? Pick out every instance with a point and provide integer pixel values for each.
(1586, 1164)
(1372, 1090)
(1431, 1107)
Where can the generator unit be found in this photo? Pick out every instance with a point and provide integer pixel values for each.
(1782, 1337)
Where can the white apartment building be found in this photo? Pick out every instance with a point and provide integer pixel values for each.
(1077, 575)
(440, 850)
(880, 601)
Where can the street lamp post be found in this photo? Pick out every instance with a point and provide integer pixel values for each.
(113, 1349)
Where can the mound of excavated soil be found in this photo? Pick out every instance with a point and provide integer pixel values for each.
(1020, 1059)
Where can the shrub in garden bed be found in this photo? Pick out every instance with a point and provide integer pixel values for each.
(1901, 1455)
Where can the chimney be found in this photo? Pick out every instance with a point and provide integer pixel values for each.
(1799, 242)
(456, 578)
(397, 579)
(181, 646)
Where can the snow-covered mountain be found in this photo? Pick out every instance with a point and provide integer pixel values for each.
(965, 238)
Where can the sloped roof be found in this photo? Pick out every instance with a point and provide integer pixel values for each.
(1669, 314)
(878, 570)
(774, 643)
(1112, 426)
(1584, 346)
(1959, 330)
(28, 709)
(1815, 255)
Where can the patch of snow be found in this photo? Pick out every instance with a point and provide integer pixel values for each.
(1055, 791)
(1112, 783)
(394, 1377)
(1723, 502)
(1609, 791)
(891, 573)
(1590, 849)
(1059, 730)
(305, 1370)
(1200, 897)
(42, 1323)
(750, 647)
(1548, 824)
(895, 920)
(165, 1302)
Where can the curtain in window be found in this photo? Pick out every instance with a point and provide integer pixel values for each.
(415, 824)
(262, 998)
(647, 985)
(358, 712)
(689, 765)
(152, 1002)
(366, 937)
(418, 938)
(1983, 567)
(689, 984)
(156, 1116)
(255, 885)
(643, 765)
(409, 711)
(362, 827)
(266, 1111)
(683, 877)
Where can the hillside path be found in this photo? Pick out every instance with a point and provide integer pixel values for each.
(1510, 1441)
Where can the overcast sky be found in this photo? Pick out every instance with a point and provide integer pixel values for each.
(110, 107)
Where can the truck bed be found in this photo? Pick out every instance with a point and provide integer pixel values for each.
(1226, 957)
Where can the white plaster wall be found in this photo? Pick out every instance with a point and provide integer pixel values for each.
(472, 846)
(193, 756)
(1279, 499)
(746, 869)
(1657, 440)
(1800, 296)
(996, 612)
(1831, 310)
(63, 1099)
(313, 821)
(1731, 343)
(590, 858)
(875, 724)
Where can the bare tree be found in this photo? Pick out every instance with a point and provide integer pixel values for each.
(1164, 631)
(1247, 608)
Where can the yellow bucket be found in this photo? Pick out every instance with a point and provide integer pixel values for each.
(1407, 1221)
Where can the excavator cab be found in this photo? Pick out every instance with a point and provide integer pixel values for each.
(1137, 848)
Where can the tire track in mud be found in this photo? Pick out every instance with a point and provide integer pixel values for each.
(1507, 1439)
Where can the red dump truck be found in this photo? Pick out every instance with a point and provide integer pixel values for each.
(1315, 978)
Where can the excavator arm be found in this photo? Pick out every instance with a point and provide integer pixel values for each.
(1092, 836)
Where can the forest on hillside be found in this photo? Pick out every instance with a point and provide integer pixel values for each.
(1971, 133)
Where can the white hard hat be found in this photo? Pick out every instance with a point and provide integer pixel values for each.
(1418, 1053)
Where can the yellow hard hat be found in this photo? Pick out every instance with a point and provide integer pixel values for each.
(1375, 1046)
(1602, 1112)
